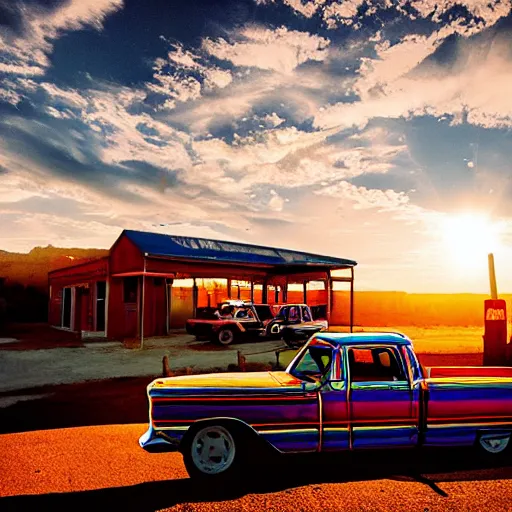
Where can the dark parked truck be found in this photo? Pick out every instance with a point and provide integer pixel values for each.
(247, 321)
(297, 324)
(342, 392)
(243, 320)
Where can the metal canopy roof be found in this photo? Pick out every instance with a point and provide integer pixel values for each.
(181, 247)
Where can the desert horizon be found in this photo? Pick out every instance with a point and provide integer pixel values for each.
(25, 277)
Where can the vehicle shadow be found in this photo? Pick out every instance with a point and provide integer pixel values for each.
(430, 468)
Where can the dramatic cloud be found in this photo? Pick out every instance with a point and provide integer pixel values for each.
(27, 53)
(279, 50)
(366, 123)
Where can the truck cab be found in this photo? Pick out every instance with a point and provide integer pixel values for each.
(376, 394)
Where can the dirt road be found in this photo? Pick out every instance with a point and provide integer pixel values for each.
(23, 369)
(103, 469)
(109, 401)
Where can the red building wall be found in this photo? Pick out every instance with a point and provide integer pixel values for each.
(83, 277)
(155, 307)
(123, 318)
(116, 323)
(125, 257)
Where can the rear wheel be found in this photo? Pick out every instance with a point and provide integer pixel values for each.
(213, 451)
(225, 336)
(494, 444)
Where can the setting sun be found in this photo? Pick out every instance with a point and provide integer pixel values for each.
(469, 238)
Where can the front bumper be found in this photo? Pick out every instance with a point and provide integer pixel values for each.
(157, 442)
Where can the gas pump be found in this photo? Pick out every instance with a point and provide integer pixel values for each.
(495, 323)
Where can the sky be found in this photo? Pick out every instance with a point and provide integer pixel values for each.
(375, 130)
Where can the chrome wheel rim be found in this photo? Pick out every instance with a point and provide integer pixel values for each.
(213, 450)
(226, 336)
(494, 444)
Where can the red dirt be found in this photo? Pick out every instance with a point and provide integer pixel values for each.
(39, 337)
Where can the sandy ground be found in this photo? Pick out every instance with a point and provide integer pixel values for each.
(104, 469)
(23, 369)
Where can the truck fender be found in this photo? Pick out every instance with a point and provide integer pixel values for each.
(226, 421)
(229, 325)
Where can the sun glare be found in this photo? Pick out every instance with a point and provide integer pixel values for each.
(470, 238)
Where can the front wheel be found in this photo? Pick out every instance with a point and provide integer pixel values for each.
(291, 340)
(213, 452)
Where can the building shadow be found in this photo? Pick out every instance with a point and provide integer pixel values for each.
(430, 468)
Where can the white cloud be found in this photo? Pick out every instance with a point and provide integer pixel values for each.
(341, 13)
(394, 61)
(9, 96)
(364, 198)
(14, 189)
(276, 202)
(394, 86)
(305, 7)
(69, 97)
(107, 110)
(337, 13)
(272, 120)
(19, 69)
(185, 76)
(176, 88)
(279, 50)
(28, 54)
(234, 102)
(216, 77)
(490, 11)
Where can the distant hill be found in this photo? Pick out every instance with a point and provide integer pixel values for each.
(31, 269)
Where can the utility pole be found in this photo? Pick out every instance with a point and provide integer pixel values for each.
(492, 277)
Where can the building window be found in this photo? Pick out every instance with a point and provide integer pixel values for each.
(101, 294)
(130, 285)
(67, 298)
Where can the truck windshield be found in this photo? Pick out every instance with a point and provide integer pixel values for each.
(314, 364)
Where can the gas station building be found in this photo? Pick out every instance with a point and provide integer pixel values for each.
(150, 283)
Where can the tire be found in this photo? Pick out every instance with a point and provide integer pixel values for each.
(225, 336)
(214, 451)
(289, 339)
(494, 446)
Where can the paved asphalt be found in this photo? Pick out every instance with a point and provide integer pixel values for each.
(103, 469)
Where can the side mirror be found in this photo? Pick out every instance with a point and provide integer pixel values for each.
(338, 385)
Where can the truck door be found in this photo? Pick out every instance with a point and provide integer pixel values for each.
(381, 411)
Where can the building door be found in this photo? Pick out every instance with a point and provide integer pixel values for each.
(181, 305)
(66, 308)
(101, 294)
(131, 299)
(81, 308)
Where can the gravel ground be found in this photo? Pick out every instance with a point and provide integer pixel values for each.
(104, 469)
(34, 368)
(23, 369)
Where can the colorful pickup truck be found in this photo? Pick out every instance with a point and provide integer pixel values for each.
(341, 392)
